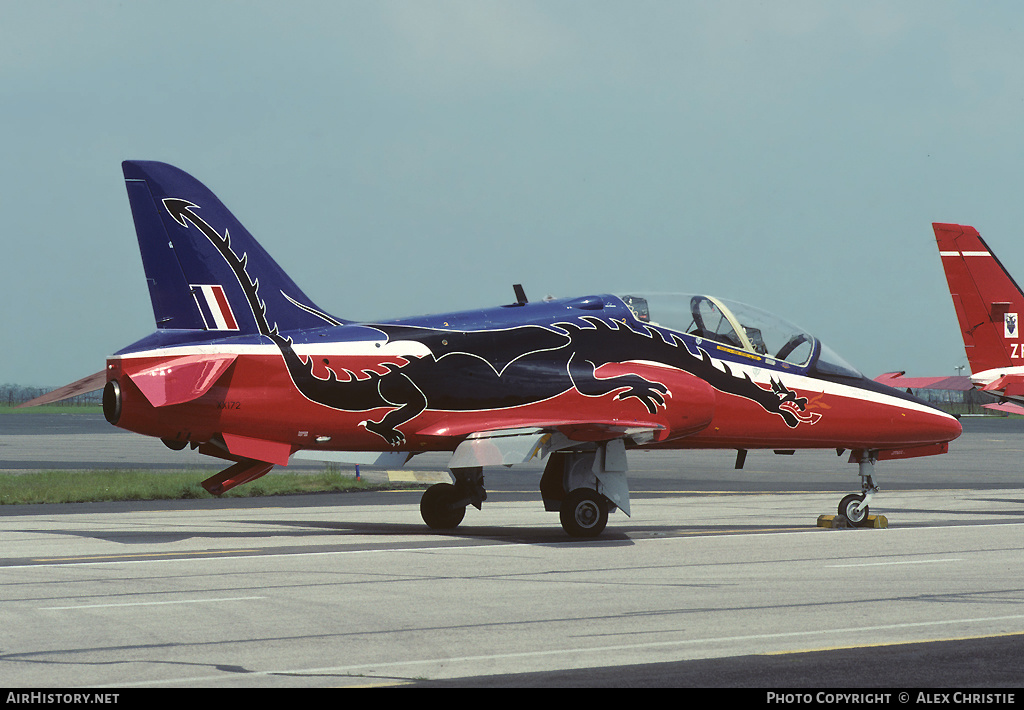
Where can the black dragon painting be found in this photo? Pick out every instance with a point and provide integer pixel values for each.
(469, 370)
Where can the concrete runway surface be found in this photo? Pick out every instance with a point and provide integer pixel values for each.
(720, 579)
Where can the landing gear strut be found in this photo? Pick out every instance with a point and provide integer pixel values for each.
(855, 507)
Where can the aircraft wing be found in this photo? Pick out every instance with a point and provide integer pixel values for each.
(373, 459)
(959, 383)
(503, 447)
(85, 385)
(507, 447)
(1005, 408)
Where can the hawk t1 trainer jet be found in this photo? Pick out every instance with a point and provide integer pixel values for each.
(245, 367)
(988, 304)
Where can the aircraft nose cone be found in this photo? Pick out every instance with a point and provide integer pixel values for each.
(931, 427)
(951, 428)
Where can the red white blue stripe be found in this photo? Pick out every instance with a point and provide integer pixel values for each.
(214, 306)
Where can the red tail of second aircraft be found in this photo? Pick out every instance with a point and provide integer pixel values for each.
(987, 300)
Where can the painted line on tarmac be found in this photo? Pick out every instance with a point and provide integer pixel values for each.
(137, 555)
(124, 604)
(894, 643)
(897, 562)
(222, 555)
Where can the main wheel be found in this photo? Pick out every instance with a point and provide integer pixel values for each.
(440, 507)
(848, 509)
(584, 513)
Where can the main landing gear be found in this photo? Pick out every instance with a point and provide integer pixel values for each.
(443, 505)
(569, 486)
(855, 507)
(572, 486)
(583, 513)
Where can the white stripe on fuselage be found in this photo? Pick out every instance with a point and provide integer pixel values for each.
(397, 348)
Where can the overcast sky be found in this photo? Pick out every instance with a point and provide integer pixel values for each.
(405, 157)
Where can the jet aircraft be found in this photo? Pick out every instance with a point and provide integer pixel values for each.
(245, 367)
(988, 303)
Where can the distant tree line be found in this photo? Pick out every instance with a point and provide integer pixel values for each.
(13, 395)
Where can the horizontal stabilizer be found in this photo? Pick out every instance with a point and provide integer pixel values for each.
(241, 472)
(182, 379)
(82, 386)
(1007, 385)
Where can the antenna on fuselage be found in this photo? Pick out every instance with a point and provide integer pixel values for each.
(520, 294)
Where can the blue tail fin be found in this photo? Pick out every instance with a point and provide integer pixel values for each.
(205, 271)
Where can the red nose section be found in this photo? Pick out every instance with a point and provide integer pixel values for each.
(918, 428)
(950, 429)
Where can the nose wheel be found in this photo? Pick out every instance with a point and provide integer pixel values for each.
(851, 507)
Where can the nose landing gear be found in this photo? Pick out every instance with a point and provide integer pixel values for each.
(855, 507)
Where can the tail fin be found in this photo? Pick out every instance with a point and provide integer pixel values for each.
(987, 300)
(205, 271)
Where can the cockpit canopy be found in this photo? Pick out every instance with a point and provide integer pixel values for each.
(738, 326)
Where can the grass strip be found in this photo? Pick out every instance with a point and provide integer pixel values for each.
(70, 409)
(125, 485)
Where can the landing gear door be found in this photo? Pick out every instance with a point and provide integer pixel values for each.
(610, 469)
